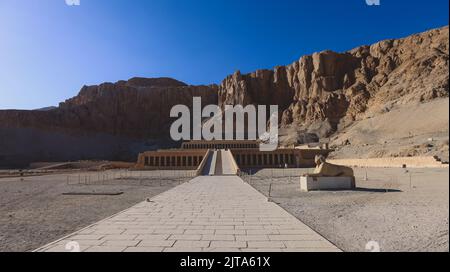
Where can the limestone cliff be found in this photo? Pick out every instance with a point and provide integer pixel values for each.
(328, 90)
(108, 121)
(138, 108)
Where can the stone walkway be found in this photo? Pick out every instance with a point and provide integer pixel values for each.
(206, 214)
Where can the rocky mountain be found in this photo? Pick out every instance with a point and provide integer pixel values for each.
(138, 108)
(320, 96)
(111, 121)
(330, 89)
(46, 108)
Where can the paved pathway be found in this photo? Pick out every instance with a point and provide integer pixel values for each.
(206, 214)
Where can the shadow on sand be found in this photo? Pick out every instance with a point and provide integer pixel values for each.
(370, 190)
(376, 190)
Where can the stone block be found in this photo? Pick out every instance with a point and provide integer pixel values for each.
(326, 183)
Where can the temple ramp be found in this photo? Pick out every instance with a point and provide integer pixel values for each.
(220, 163)
(209, 169)
(229, 166)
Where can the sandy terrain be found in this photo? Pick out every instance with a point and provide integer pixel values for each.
(399, 213)
(412, 130)
(34, 211)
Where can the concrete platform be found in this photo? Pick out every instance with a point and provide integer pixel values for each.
(326, 183)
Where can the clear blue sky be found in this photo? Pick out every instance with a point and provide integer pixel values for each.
(48, 50)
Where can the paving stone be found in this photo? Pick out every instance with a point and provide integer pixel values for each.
(193, 244)
(228, 244)
(232, 232)
(106, 249)
(195, 227)
(293, 237)
(220, 227)
(86, 243)
(181, 249)
(306, 249)
(296, 231)
(266, 244)
(192, 237)
(156, 243)
(223, 237)
(108, 231)
(128, 243)
(308, 244)
(250, 227)
(82, 243)
(252, 238)
(152, 237)
(138, 231)
(144, 249)
(168, 231)
(219, 213)
(222, 249)
(58, 248)
(199, 231)
(119, 237)
(262, 249)
(262, 232)
(87, 237)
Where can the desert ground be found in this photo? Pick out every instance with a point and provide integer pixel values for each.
(400, 209)
(411, 130)
(36, 210)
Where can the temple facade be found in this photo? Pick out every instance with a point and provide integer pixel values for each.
(246, 154)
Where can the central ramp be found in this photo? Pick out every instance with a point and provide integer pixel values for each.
(220, 213)
(228, 164)
(220, 163)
